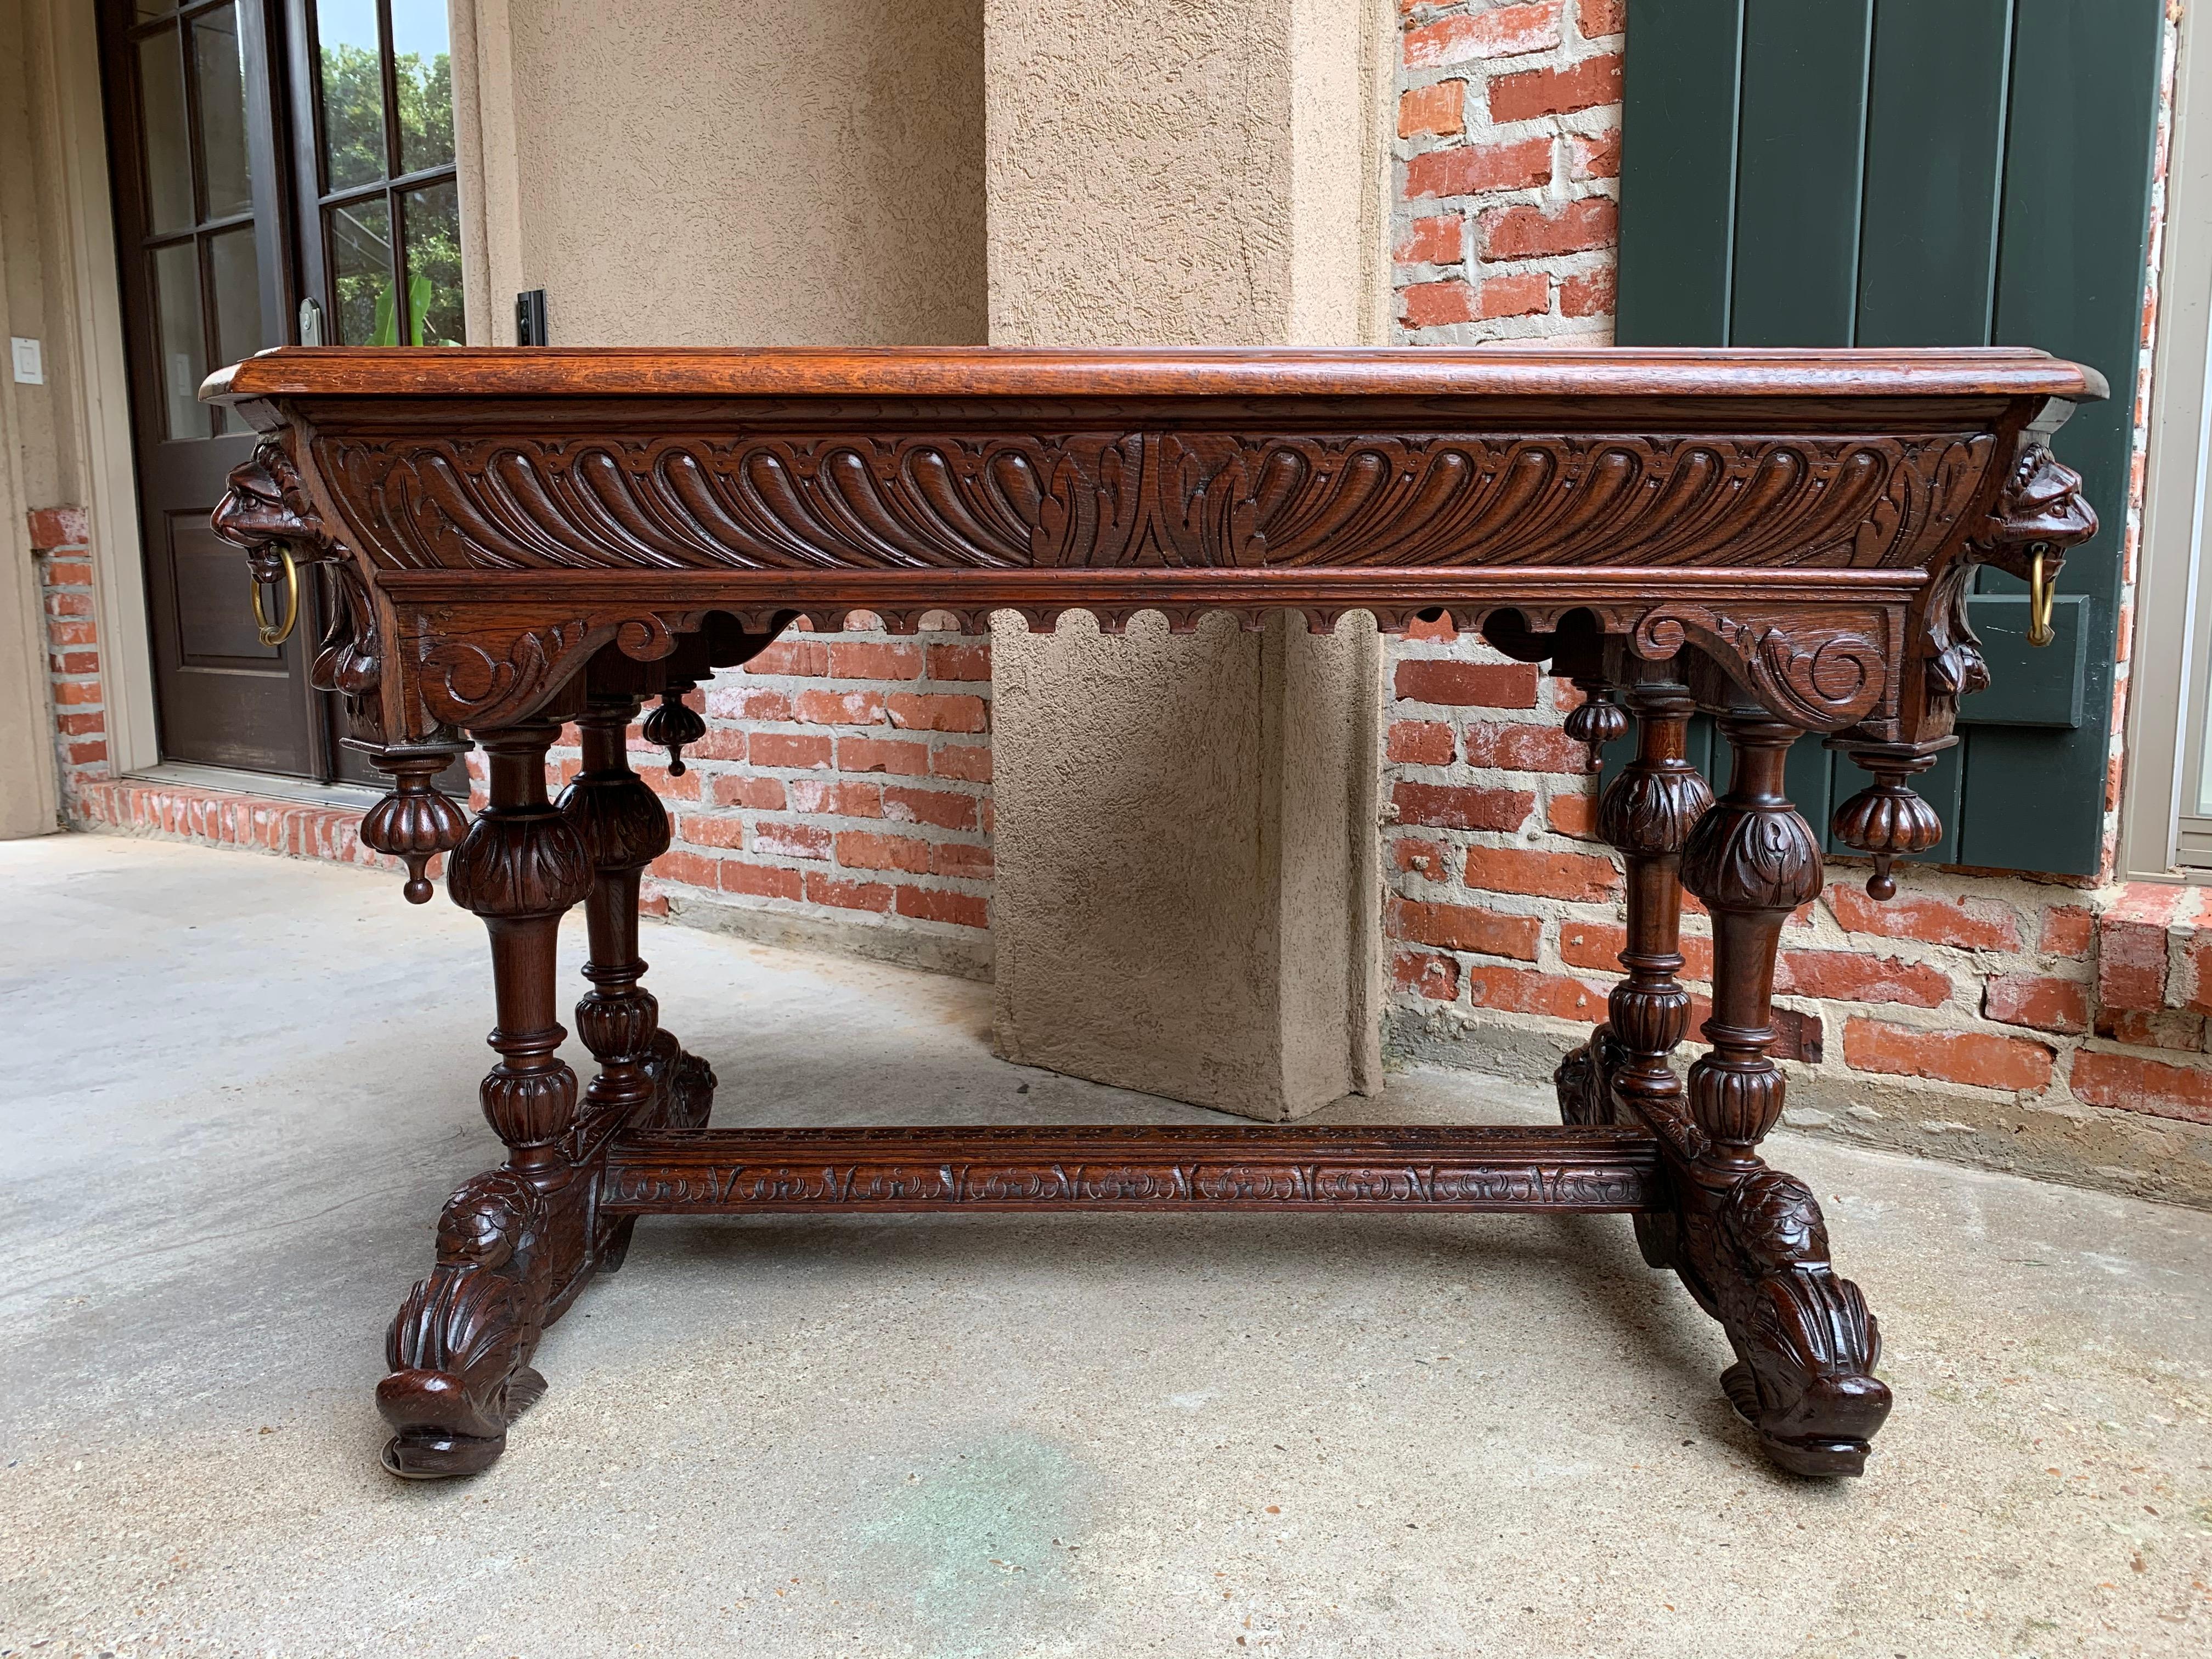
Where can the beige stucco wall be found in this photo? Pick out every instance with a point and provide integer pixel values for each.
(725, 172)
(1163, 173)
(1187, 895)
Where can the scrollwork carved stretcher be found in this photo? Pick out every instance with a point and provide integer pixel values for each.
(520, 539)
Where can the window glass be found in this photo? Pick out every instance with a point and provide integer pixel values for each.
(422, 71)
(222, 72)
(183, 344)
(360, 240)
(168, 151)
(351, 85)
(2204, 767)
(235, 270)
(434, 266)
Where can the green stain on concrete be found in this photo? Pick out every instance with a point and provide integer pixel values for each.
(979, 1539)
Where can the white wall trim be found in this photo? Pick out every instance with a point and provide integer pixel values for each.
(77, 136)
(26, 710)
(487, 167)
(2166, 670)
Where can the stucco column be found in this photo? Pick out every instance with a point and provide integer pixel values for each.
(1187, 900)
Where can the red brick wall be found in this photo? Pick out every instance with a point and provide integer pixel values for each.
(844, 777)
(1504, 904)
(1967, 1007)
(91, 795)
(1504, 919)
(1508, 169)
(61, 543)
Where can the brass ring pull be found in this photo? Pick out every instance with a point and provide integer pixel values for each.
(277, 634)
(2040, 594)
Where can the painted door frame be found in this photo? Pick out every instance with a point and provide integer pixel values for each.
(75, 121)
(2166, 669)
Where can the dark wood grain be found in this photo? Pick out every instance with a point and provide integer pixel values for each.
(1784, 538)
(1096, 1167)
(1142, 371)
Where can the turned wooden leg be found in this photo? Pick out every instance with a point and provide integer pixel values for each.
(512, 1243)
(1625, 1072)
(645, 1078)
(1750, 1243)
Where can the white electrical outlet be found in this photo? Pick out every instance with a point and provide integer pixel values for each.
(30, 366)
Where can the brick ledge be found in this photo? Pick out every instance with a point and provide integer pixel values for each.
(224, 818)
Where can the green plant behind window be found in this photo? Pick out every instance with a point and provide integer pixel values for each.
(365, 292)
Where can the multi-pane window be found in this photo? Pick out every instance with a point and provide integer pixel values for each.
(197, 179)
(388, 212)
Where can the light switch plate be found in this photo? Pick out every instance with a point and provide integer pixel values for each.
(30, 364)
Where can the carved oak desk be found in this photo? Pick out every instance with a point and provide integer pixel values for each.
(520, 539)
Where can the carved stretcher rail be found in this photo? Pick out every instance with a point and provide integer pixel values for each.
(519, 539)
(1092, 1167)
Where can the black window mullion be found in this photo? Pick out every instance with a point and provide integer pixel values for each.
(261, 38)
(402, 303)
(188, 58)
(359, 193)
(140, 162)
(388, 61)
(311, 51)
(189, 61)
(329, 296)
(229, 223)
(212, 347)
(436, 175)
(390, 74)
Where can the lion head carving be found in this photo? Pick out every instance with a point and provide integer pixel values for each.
(2041, 510)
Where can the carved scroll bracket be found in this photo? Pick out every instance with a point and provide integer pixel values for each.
(487, 666)
(1819, 667)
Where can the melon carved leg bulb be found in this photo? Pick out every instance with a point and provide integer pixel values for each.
(514, 1242)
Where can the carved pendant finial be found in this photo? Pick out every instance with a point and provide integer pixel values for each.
(417, 820)
(1599, 721)
(1887, 820)
(674, 723)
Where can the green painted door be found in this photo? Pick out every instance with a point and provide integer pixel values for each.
(1901, 173)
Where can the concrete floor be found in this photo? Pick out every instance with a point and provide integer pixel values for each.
(242, 1086)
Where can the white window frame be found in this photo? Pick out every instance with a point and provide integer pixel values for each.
(2163, 836)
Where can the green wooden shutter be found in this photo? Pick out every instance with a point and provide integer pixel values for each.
(1897, 172)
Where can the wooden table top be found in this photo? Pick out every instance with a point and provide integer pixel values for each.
(1146, 372)
(1806, 520)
